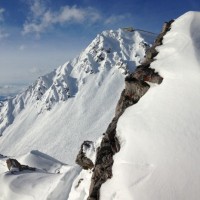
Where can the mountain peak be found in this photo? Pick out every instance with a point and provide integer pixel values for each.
(66, 95)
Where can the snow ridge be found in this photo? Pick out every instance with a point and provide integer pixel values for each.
(135, 87)
(160, 140)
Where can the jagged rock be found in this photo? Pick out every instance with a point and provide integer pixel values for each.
(151, 53)
(104, 160)
(145, 73)
(167, 26)
(134, 90)
(159, 39)
(14, 164)
(165, 29)
(82, 159)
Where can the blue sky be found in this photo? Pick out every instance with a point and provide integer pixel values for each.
(37, 36)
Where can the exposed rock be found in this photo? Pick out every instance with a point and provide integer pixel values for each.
(167, 26)
(145, 73)
(134, 90)
(14, 164)
(151, 53)
(82, 159)
(165, 29)
(79, 182)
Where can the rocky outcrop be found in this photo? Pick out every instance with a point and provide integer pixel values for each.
(14, 165)
(152, 52)
(145, 73)
(82, 159)
(134, 90)
(136, 85)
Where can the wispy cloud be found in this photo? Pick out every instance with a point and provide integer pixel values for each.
(41, 18)
(116, 18)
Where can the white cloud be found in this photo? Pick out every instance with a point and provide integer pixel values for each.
(37, 7)
(116, 18)
(41, 18)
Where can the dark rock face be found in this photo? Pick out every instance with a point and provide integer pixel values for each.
(82, 159)
(167, 26)
(152, 52)
(13, 163)
(165, 29)
(145, 73)
(104, 161)
(135, 88)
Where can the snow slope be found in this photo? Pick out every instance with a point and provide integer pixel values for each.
(160, 140)
(73, 103)
(51, 180)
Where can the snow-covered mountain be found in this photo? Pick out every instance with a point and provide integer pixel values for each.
(159, 136)
(75, 102)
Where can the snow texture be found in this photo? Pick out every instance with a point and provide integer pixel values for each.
(160, 140)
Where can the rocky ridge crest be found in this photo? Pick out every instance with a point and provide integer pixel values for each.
(136, 85)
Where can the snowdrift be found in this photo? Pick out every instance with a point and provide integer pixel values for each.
(51, 180)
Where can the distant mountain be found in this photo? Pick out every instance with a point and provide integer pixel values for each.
(76, 101)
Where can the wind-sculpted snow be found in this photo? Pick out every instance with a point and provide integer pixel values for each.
(76, 101)
(51, 179)
(159, 136)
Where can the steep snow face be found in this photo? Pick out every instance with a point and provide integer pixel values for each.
(73, 103)
(160, 139)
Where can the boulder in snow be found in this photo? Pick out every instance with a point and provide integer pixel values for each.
(82, 158)
(14, 165)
